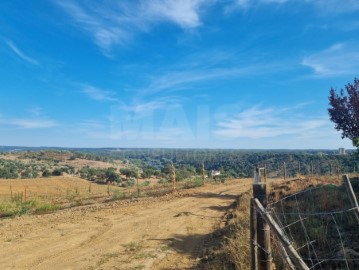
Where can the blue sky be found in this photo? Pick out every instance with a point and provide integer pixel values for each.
(174, 73)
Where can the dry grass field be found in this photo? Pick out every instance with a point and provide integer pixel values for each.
(53, 188)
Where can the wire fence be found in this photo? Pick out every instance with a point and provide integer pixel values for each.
(320, 223)
(297, 168)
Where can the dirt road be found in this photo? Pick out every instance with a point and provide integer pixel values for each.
(152, 233)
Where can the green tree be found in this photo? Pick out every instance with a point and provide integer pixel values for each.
(129, 172)
(148, 172)
(57, 172)
(344, 111)
(46, 173)
(111, 175)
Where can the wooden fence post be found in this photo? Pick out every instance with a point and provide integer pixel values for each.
(311, 169)
(253, 236)
(173, 170)
(351, 194)
(264, 254)
(265, 173)
(203, 173)
(138, 187)
(293, 254)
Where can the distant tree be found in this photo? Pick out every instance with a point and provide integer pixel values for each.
(344, 111)
(111, 175)
(57, 172)
(148, 172)
(129, 173)
(46, 173)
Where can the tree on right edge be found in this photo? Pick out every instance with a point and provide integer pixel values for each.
(344, 111)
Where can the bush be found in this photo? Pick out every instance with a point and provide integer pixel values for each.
(117, 195)
(145, 183)
(163, 181)
(57, 172)
(198, 182)
(131, 182)
(46, 173)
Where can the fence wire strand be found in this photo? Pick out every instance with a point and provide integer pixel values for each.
(321, 225)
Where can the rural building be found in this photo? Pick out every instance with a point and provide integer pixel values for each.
(215, 173)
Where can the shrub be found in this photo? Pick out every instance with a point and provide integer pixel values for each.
(131, 182)
(117, 195)
(46, 173)
(145, 183)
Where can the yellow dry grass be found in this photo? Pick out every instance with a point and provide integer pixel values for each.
(51, 188)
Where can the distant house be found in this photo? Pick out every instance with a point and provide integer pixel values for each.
(215, 173)
(342, 152)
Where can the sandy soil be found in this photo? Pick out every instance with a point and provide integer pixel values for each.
(153, 233)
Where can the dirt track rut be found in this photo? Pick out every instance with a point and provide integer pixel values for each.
(152, 233)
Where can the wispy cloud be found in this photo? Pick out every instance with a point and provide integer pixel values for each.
(185, 13)
(335, 6)
(21, 54)
(274, 1)
(186, 79)
(339, 59)
(28, 123)
(99, 94)
(258, 122)
(115, 23)
(245, 4)
(153, 105)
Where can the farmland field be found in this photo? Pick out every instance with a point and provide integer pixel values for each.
(53, 188)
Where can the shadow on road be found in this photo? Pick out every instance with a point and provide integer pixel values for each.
(198, 246)
(216, 195)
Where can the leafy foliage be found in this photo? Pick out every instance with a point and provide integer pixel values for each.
(344, 111)
(129, 172)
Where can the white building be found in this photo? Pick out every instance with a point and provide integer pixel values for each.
(215, 173)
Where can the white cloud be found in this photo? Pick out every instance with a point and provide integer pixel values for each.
(21, 54)
(28, 123)
(339, 59)
(274, 1)
(184, 13)
(245, 4)
(115, 23)
(258, 122)
(186, 78)
(99, 94)
(335, 6)
(150, 106)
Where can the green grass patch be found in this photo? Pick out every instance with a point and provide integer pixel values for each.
(33, 206)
